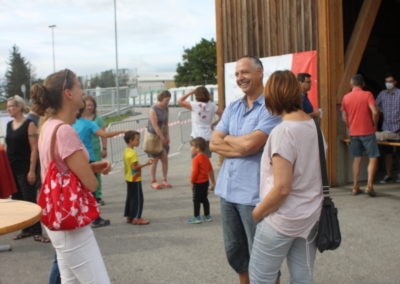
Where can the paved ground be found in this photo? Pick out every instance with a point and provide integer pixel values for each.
(171, 251)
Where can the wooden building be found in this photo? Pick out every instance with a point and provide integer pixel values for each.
(350, 36)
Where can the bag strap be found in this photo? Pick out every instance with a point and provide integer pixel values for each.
(53, 141)
(322, 161)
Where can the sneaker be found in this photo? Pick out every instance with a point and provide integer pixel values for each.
(100, 222)
(386, 179)
(207, 218)
(195, 220)
(398, 179)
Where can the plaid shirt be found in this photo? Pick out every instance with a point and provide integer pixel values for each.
(389, 105)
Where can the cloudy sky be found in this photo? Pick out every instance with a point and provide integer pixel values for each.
(151, 33)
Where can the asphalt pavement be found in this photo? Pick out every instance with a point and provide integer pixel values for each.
(171, 251)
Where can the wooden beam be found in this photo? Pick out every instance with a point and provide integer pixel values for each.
(358, 42)
(330, 67)
(220, 54)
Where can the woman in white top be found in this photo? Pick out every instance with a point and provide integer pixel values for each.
(203, 114)
(290, 188)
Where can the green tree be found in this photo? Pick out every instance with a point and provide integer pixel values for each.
(199, 65)
(18, 73)
(106, 79)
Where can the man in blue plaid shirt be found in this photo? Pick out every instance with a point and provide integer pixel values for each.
(388, 102)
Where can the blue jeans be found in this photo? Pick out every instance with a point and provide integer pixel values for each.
(55, 273)
(271, 248)
(239, 229)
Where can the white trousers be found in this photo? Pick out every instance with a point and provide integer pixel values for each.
(78, 255)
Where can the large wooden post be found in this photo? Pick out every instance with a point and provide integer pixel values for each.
(220, 55)
(358, 42)
(330, 72)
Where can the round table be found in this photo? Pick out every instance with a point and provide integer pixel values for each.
(16, 215)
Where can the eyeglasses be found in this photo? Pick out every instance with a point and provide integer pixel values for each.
(65, 79)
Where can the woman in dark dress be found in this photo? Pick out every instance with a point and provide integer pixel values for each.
(22, 152)
(158, 125)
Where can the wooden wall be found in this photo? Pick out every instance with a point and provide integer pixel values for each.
(263, 28)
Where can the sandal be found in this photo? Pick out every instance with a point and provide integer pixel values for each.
(23, 235)
(371, 192)
(165, 184)
(42, 239)
(356, 191)
(155, 185)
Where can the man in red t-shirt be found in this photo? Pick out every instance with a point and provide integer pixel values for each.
(360, 115)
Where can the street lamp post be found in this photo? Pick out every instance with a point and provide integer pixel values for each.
(52, 40)
(116, 56)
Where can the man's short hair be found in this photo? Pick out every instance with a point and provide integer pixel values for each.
(129, 135)
(200, 143)
(302, 76)
(357, 80)
(255, 59)
(388, 75)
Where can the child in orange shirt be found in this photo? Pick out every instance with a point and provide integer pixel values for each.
(202, 171)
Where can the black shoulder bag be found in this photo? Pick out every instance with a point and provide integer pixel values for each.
(328, 237)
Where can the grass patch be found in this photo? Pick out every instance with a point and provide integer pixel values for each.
(108, 120)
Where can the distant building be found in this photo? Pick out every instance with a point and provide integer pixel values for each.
(156, 81)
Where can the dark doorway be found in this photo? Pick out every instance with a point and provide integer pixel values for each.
(382, 54)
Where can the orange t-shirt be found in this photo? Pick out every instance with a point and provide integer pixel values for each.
(359, 116)
(201, 166)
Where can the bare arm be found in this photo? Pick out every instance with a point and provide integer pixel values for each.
(108, 134)
(182, 101)
(219, 113)
(33, 143)
(78, 163)
(101, 167)
(283, 174)
(153, 120)
(315, 113)
(344, 117)
(220, 146)
(247, 144)
(103, 145)
(211, 176)
(136, 166)
(375, 115)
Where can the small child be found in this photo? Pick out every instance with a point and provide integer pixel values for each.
(202, 171)
(133, 177)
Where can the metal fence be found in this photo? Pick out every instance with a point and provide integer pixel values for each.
(185, 125)
(107, 101)
(148, 98)
(117, 145)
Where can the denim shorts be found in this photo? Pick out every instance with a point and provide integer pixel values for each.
(239, 229)
(366, 143)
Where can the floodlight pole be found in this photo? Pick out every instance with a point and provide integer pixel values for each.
(116, 57)
(52, 40)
